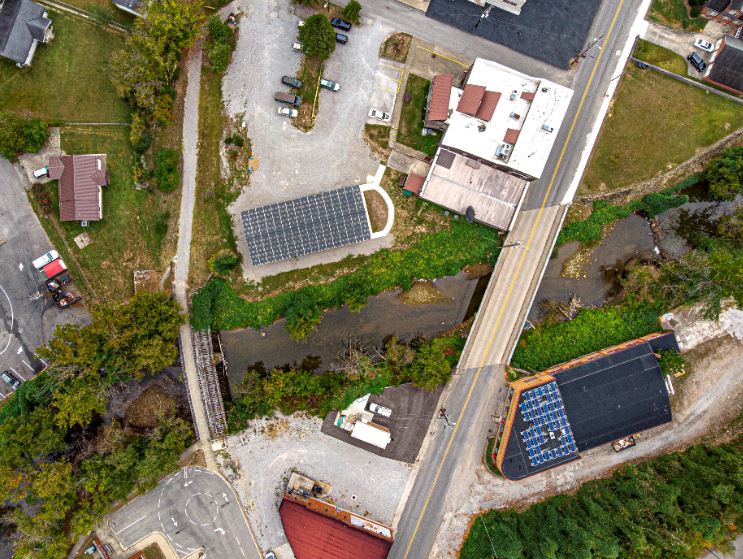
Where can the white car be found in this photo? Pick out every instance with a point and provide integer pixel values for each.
(332, 86)
(381, 410)
(297, 46)
(45, 259)
(706, 46)
(379, 115)
(39, 173)
(286, 111)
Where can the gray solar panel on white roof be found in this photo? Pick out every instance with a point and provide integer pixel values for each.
(306, 225)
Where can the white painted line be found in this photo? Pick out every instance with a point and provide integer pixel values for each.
(40, 359)
(20, 350)
(27, 365)
(130, 525)
(240, 546)
(12, 315)
(20, 376)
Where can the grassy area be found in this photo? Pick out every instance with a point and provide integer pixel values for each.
(68, 79)
(411, 119)
(675, 13)
(377, 210)
(660, 56)
(378, 138)
(212, 224)
(309, 73)
(489, 464)
(396, 47)
(656, 123)
(104, 10)
(135, 222)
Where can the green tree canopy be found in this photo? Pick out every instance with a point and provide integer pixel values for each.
(21, 134)
(317, 37)
(724, 174)
(351, 11)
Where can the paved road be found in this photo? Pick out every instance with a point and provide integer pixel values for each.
(195, 509)
(448, 471)
(28, 319)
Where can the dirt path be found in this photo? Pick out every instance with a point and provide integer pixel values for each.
(705, 401)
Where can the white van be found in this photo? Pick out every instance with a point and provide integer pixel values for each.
(44, 259)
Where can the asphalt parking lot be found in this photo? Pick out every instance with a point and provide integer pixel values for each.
(195, 509)
(270, 449)
(552, 31)
(412, 410)
(28, 318)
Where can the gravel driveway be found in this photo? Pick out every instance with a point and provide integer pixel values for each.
(267, 452)
(290, 162)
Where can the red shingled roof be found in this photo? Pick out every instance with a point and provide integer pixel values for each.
(80, 178)
(414, 183)
(528, 95)
(314, 536)
(487, 107)
(438, 108)
(511, 136)
(471, 99)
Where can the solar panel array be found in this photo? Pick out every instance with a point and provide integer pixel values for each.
(549, 437)
(306, 225)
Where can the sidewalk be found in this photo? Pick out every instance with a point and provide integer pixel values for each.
(421, 5)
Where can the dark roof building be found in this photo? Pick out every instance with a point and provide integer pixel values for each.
(80, 179)
(23, 25)
(727, 12)
(322, 534)
(581, 404)
(726, 67)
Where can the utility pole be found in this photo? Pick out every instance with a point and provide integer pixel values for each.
(484, 15)
(584, 53)
(442, 414)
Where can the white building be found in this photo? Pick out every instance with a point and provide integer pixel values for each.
(499, 131)
(512, 6)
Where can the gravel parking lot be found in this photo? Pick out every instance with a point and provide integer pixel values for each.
(267, 452)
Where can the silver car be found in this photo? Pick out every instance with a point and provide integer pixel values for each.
(379, 115)
(286, 111)
(332, 86)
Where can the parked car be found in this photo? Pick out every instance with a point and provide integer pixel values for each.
(341, 38)
(696, 61)
(379, 115)
(640, 65)
(291, 82)
(45, 259)
(288, 98)
(427, 132)
(11, 380)
(269, 555)
(297, 46)
(381, 410)
(286, 111)
(706, 46)
(341, 24)
(39, 173)
(327, 84)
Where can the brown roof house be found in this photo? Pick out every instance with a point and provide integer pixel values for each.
(80, 180)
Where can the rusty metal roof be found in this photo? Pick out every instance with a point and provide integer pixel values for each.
(487, 106)
(511, 136)
(80, 178)
(414, 183)
(471, 99)
(438, 108)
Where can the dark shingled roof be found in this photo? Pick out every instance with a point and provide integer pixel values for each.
(727, 68)
(471, 98)
(717, 5)
(21, 22)
(438, 108)
(605, 399)
(314, 536)
(487, 107)
(80, 179)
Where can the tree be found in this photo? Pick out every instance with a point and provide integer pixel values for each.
(430, 366)
(223, 262)
(220, 44)
(166, 169)
(317, 37)
(21, 134)
(724, 174)
(352, 11)
(78, 401)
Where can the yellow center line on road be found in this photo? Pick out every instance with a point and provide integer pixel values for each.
(443, 56)
(491, 339)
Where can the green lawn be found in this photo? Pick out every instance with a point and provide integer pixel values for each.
(675, 13)
(660, 56)
(411, 119)
(656, 123)
(134, 223)
(99, 7)
(68, 79)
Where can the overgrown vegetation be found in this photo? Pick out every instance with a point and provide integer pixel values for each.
(660, 56)
(650, 108)
(676, 13)
(412, 115)
(317, 37)
(396, 47)
(592, 329)
(672, 363)
(426, 364)
(352, 11)
(220, 44)
(309, 74)
(21, 134)
(60, 470)
(724, 174)
(166, 169)
(678, 505)
(435, 255)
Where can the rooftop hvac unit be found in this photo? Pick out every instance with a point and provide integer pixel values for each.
(545, 89)
(547, 128)
(503, 151)
(83, 223)
(481, 128)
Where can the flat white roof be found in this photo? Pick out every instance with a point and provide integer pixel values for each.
(372, 433)
(529, 109)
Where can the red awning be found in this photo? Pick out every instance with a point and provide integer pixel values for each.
(54, 268)
(438, 108)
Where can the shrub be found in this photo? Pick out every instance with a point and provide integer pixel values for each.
(352, 11)
(21, 134)
(724, 174)
(672, 363)
(317, 37)
(223, 262)
(166, 169)
(103, 15)
(139, 135)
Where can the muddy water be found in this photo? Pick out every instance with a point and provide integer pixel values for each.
(385, 315)
(631, 237)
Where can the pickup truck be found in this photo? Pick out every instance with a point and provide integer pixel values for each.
(288, 98)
